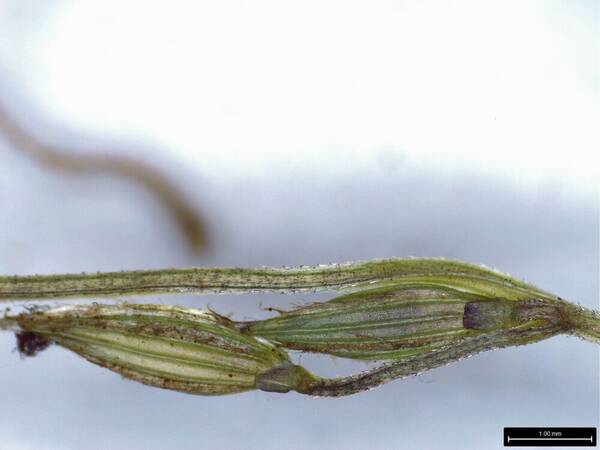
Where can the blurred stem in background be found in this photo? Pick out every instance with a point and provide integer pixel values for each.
(191, 223)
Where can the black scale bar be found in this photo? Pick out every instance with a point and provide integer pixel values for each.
(550, 437)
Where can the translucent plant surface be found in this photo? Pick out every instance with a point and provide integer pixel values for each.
(430, 312)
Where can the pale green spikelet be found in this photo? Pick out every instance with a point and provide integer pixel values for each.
(169, 347)
(396, 322)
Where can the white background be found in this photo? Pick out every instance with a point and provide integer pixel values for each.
(307, 132)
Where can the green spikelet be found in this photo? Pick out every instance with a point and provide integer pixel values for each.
(396, 322)
(164, 346)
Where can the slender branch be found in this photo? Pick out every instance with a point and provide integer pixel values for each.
(296, 378)
(583, 322)
(348, 276)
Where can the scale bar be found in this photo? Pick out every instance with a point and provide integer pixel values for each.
(591, 439)
(550, 437)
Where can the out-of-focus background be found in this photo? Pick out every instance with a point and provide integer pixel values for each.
(304, 133)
